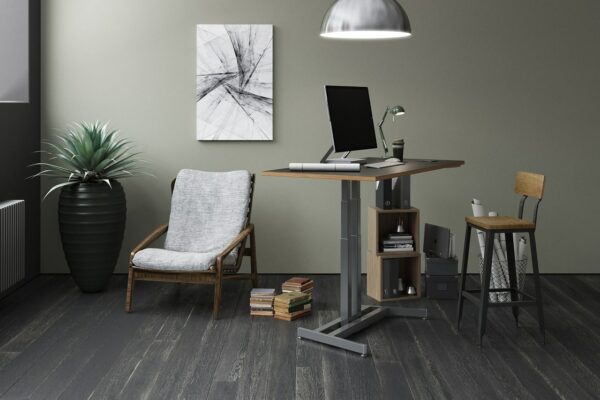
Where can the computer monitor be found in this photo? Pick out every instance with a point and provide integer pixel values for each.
(351, 118)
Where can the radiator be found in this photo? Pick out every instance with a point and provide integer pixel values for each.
(12, 243)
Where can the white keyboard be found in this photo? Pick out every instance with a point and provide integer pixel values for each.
(347, 167)
(384, 164)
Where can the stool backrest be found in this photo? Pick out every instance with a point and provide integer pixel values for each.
(527, 185)
(530, 184)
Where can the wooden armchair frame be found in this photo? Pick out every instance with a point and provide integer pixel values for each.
(215, 275)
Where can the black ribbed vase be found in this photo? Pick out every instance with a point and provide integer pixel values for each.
(92, 222)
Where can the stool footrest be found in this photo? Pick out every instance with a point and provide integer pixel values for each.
(512, 303)
(471, 296)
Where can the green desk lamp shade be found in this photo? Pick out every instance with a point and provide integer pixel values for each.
(365, 19)
(395, 111)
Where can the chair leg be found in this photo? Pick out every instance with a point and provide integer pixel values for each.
(463, 276)
(129, 294)
(485, 284)
(253, 269)
(217, 299)
(512, 274)
(537, 283)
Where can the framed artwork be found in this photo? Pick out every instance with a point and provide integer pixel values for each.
(234, 82)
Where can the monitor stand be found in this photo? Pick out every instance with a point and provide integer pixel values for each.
(343, 160)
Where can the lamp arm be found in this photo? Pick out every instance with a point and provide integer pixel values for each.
(387, 109)
(383, 141)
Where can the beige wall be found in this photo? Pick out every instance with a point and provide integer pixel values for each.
(504, 85)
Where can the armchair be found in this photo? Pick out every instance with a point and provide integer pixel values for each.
(208, 228)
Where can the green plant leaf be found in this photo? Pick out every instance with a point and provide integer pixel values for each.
(53, 188)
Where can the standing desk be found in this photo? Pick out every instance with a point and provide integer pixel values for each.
(354, 316)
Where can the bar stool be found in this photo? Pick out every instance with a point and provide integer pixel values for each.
(527, 185)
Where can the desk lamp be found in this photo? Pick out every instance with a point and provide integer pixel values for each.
(365, 19)
(395, 111)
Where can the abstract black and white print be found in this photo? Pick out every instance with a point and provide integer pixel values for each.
(234, 82)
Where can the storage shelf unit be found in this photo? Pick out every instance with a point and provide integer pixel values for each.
(405, 265)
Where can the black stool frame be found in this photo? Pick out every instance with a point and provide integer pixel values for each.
(483, 300)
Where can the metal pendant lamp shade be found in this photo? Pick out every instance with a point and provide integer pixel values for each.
(365, 19)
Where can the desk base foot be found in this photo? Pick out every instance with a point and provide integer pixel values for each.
(335, 332)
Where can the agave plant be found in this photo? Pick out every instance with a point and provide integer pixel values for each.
(86, 153)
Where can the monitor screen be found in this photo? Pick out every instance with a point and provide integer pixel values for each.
(351, 118)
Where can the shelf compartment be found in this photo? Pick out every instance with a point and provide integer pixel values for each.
(382, 270)
(383, 222)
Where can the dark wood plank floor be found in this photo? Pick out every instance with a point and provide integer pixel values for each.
(57, 343)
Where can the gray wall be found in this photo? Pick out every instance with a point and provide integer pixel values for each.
(506, 86)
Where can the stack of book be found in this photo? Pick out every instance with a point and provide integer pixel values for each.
(399, 241)
(297, 284)
(292, 305)
(261, 302)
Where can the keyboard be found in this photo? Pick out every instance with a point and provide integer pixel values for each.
(384, 164)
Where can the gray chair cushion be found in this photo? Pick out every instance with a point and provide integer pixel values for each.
(208, 210)
(168, 260)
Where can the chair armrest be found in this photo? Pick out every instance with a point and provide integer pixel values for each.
(234, 243)
(158, 232)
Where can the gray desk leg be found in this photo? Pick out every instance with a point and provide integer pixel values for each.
(345, 299)
(354, 250)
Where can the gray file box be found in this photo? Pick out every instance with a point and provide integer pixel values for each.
(442, 287)
(441, 266)
(441, 278)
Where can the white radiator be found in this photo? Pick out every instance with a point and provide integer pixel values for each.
(12, 243)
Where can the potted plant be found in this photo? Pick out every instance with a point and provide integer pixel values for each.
(92, 210)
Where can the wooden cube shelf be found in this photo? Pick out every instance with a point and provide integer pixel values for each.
(385, 266)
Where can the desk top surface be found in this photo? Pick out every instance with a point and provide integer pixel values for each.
(410, 167)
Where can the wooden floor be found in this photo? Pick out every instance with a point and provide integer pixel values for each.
(56, 342)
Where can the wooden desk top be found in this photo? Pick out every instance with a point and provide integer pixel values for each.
(410, 167)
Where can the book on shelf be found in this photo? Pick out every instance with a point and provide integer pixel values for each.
(399, 235)
(397, 249)
(398, 241)
(397, 245)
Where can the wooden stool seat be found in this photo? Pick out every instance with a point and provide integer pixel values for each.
(499, 223)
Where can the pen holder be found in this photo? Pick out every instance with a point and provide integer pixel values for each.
(499, 278)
